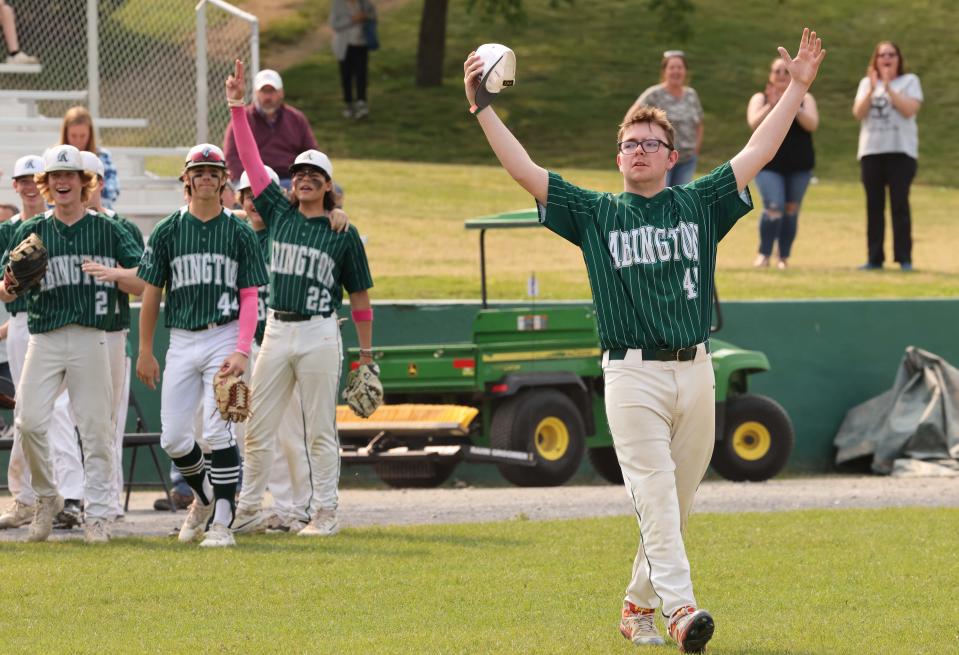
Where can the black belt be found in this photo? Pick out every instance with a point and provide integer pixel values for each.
(290, 317)
(208, 326)
(681, 355)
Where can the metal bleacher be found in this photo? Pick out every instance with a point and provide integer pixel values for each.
(144, 197)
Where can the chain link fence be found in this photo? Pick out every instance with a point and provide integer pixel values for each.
(137, 60)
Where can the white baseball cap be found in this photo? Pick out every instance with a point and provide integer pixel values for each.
(92, 163)
(245, 179)
(499, 72)
(267, 77)
(313, 158)
(29, 165)
(205, 154)
(62, 158)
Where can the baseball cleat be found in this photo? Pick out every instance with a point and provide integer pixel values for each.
(638, 624)
(96, 531)
(323, 524)
(195, 524)
(17, 515)
(42, 524)
(691, 629)
(218, 536)
(247, 521)
(70, 516)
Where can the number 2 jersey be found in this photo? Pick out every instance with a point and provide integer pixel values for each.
(66, 294)
(202, 265)
(310, 264)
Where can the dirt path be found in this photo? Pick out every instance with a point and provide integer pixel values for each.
(365, 507)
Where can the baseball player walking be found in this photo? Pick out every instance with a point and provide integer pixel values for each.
(209, 263)
(117, 336)
(310, 265)
(68, 316)
(650, 254)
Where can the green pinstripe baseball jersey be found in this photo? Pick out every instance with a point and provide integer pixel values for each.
(67, 295)
(650, 261)
(263, 292)
(7, 229)
(123, 300)
(202, 266)
(310, 264)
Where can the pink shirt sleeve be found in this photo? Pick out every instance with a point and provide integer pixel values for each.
(249, 153)
(249, 305)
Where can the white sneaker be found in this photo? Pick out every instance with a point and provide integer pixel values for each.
(638, 624)
(218, 536)
(247, 521)
(195, 524)
(323, 524)
(348, 111)
(44, 512)
(276, 524)
(17, 515)
(96, 532)
(361, 109)
(22, 58)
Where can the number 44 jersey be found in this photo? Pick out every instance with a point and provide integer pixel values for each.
(202, 265)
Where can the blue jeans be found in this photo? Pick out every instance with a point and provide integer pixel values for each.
(681, 173)
(778, 191)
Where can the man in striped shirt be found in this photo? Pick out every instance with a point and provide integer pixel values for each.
(650, 254)
(69, 315)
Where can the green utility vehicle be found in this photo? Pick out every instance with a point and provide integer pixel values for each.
(534, 373)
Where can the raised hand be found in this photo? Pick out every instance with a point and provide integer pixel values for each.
(804, 67)
(236, 83)
(472, 70)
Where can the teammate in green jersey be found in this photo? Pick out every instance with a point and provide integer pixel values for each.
(650, 253)
(117, 336)
(310, 264)
(209, 263)
(68, 316)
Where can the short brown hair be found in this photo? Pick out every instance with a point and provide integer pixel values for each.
(639, 113)
(672, 54)
(79, 116)
(900, 68)
(88, 181)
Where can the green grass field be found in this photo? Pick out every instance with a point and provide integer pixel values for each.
(826, 582)
(580, 67)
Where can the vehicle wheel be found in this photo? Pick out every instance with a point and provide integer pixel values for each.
(606, 463)
(546, 423)
(414, 475)
(757, 440)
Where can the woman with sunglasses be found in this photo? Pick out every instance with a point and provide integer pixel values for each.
(782, 182)
(685, 113)
(886, 105)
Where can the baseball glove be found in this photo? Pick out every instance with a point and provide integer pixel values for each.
(232, 398)
(26, 265)
(364, 391)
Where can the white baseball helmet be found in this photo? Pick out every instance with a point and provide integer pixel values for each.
(499, 72)
(29, 165)
(245, 179)
(62, 158)
(205, 154)
(92, 163)
(313, 158)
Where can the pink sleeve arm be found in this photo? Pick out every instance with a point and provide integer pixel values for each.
(249, 306)
(249, 153)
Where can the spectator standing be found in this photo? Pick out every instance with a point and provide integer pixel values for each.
(77, 131)
(685, 113)
(783, 181)
(349, 19)
(9, 22)
(886, 105)
(280, 130)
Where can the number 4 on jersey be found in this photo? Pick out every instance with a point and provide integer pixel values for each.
(691, 282)
(226, 305)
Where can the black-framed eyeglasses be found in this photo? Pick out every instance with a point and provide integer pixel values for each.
(649, 146)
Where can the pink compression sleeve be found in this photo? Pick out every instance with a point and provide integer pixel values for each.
(249, 305)
(249, 153)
